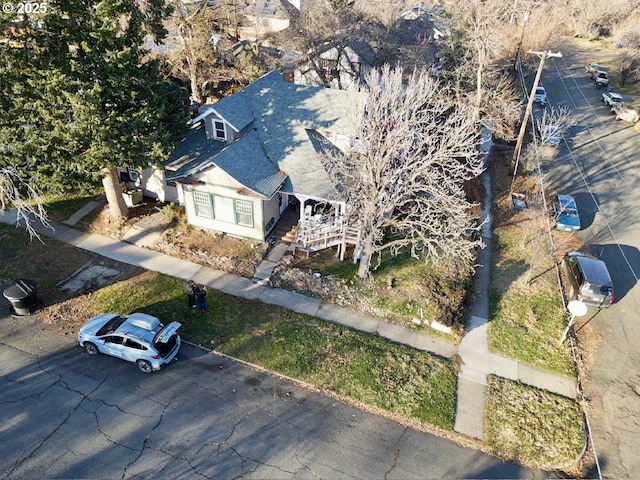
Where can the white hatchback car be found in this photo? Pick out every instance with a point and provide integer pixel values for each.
(138, 338)
(540, 96)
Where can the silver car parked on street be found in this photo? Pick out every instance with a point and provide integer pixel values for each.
(138, 338)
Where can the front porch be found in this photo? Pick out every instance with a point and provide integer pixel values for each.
(311, 225)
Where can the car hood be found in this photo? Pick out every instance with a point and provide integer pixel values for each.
(93, 325)
(167, 332)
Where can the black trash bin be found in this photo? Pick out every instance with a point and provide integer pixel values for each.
(23, 297)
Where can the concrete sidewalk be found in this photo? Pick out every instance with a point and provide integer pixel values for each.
(475, 359)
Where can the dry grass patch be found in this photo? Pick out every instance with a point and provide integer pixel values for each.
(541, 429)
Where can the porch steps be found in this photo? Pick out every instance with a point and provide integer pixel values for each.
(284, 233)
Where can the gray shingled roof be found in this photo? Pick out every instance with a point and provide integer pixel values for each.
(246, 161)
(285, 112)
(193, 154)
(280, 143)
(234, 110)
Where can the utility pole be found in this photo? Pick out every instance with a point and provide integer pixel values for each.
(523, 128)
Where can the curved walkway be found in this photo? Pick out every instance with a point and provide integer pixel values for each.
(475, 359)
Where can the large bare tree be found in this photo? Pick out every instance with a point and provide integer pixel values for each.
(414, 149)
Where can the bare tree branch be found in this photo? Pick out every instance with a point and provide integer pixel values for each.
(17, 193)
(414, 150)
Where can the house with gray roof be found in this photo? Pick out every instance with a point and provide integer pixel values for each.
(247, 157)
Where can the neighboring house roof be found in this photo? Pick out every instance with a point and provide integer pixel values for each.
(279, 143)
(360, 47)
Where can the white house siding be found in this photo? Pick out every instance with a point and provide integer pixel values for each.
(271, 212)
(153, 184)
(213, 185)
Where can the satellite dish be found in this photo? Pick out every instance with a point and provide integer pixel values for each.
(577, 308)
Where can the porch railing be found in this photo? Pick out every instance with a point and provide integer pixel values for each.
(314, 236)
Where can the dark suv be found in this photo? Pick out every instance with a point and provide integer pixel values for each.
(589, 280)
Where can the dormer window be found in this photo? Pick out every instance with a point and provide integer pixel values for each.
(219, 131)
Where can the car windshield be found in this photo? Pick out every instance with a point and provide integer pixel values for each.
(540, 91)
(111, 326)
(570, 212)
(602, 75)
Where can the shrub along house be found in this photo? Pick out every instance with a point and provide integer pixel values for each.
(249, 156)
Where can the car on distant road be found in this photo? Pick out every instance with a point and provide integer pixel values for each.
(138, 338)
(600, 78)
(588, 280)
(592, 68)
(540, 96)
(610, 99)
(566, 214)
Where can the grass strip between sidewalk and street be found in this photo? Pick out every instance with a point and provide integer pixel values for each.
(541, 429)
(352, 364)
(526, 312)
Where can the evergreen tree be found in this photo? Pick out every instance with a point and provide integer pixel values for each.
(77, 98)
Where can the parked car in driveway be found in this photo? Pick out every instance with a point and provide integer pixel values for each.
(600, 78)
(588, 280)
(592, 68)
(610, 99)
(540, 96)
(138, 338)
(566, 214)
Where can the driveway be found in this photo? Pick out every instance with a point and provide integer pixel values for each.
(68, 415)
(601, 168)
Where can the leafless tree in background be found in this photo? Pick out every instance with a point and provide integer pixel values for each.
(322, 25)
(474, 60)
(198, 49)
(415, 148)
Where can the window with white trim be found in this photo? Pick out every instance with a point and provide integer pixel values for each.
(202, 203)
(244, 213)
(219, 131)
(223, 209)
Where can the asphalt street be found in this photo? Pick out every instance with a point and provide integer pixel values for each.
(65, 414)
(599, 165)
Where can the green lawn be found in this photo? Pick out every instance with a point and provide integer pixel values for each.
(526, 320)
(352, 364)
(61, 207)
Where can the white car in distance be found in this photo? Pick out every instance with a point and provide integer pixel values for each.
(540, 96)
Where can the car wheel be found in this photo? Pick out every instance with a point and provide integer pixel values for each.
(91, 349)
(144, 366)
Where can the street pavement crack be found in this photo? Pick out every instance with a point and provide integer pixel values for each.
(396, 455)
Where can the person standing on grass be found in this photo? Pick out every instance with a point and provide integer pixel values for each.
(202, 298)
(190, 289)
